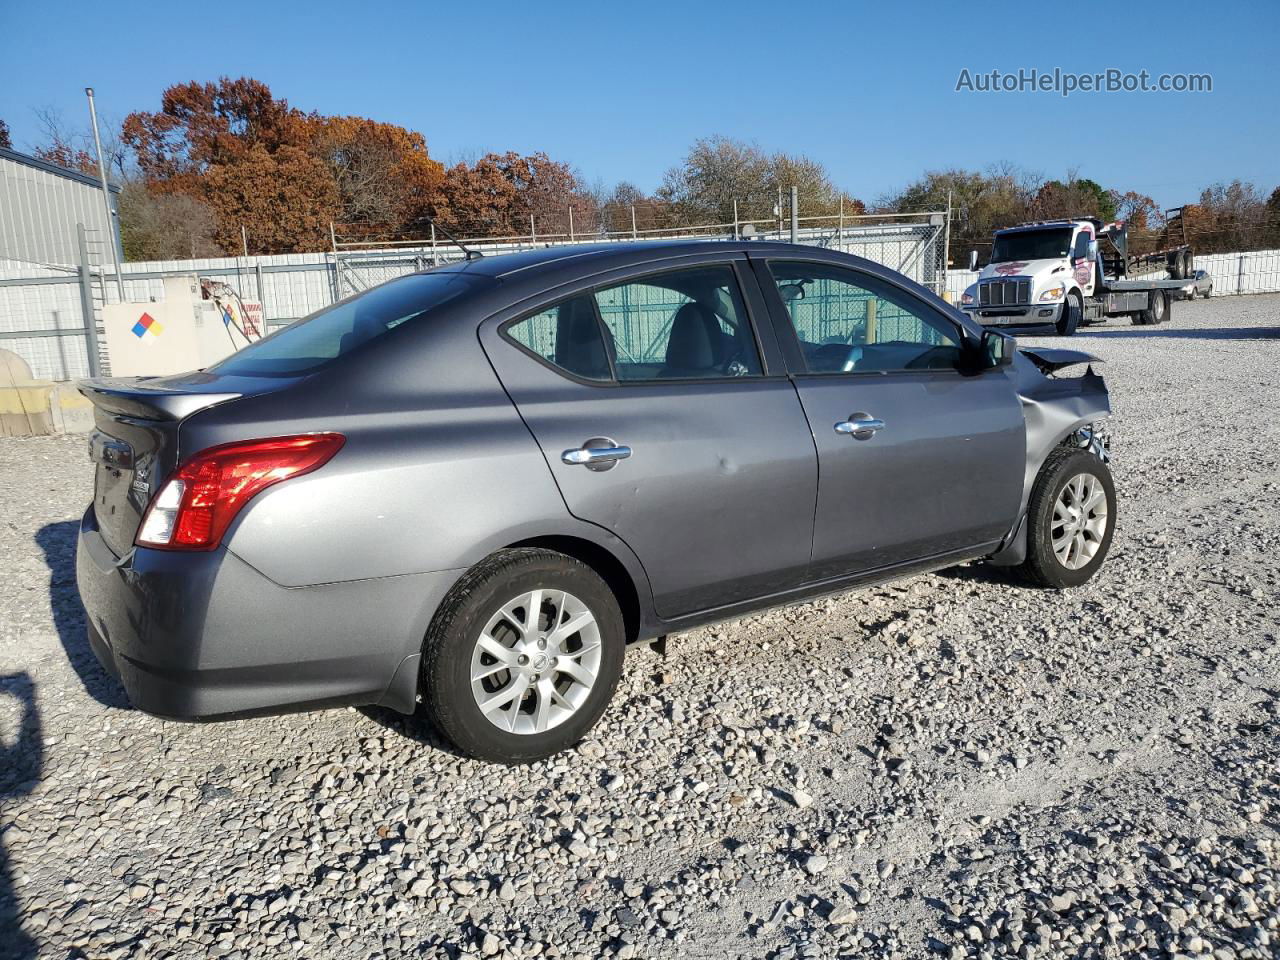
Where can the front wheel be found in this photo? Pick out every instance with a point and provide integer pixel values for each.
(1072, 311)
(523, 656)
(1070, 519)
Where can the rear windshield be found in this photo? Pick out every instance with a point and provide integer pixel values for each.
(1032, 245)
(315, 340)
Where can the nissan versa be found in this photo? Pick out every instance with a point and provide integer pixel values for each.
(471, 488)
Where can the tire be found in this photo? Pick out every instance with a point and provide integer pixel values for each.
(486, 600)
(1157, 310)
(1173, 262)
(1072, 311)
(1045, 565)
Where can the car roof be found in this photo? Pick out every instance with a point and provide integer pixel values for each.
(593, 256)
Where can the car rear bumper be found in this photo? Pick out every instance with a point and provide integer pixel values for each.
(201, 636)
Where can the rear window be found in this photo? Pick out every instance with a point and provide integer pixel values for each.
(315, 340)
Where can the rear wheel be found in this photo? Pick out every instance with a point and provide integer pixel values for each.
(1072, 310)
(1070, 519)
(522, 656)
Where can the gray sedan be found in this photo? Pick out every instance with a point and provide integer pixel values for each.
(1199, 284)
(465, 492)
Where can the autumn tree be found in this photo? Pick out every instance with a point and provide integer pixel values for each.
(1074, 197)
(497, 195)
(1228, 216)
(203, 125)
(383, 173)
(616, 205)
(981, 202)
(284, 199)
(155, 225)
(5, 140)
(717, 171)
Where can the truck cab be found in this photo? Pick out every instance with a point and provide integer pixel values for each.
(1039, 273)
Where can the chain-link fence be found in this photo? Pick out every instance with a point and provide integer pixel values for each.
(913, 244)
(43, 307)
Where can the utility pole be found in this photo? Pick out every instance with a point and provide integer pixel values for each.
(795, 214)
(106, 195)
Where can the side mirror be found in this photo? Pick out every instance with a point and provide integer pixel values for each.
(973, 259)
(996, 349)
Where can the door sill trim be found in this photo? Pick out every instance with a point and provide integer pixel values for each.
(817, 588)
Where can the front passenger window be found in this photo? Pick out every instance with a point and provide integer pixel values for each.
(848, 322)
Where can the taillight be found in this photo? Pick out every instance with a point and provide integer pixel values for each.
(196, 505)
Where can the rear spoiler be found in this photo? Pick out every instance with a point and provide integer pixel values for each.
(136, 397)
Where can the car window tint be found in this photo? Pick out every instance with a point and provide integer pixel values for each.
(847, 322)
(680, 325)
(567, 336)
(327, 334)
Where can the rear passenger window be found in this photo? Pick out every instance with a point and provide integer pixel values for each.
(686, 324)
(567, 336)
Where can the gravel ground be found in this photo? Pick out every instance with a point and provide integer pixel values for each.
(953, 765)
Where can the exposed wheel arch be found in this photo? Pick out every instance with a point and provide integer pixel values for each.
(609, 567)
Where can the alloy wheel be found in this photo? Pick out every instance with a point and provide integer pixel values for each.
(536, 661)
(1079, 521)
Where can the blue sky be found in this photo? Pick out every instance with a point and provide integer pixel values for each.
(620, 90)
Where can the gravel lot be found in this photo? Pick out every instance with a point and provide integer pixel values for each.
(953, 765)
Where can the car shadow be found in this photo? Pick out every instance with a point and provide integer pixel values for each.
(21, 761)
(1189, 333)
(415, 726)
(978, 572)
(58, 541)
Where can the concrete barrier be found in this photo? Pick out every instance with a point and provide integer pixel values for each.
(38, 408)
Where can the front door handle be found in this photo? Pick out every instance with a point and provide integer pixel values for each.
(598, 453)
(860, 426)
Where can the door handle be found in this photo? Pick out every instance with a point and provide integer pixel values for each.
(860, 426)
(598, 453)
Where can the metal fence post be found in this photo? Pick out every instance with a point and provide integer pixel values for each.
(946, 250)
(735, 218)
(570, 224)
(86, 306)
(795, 214)
(634, 235)
(116, 254)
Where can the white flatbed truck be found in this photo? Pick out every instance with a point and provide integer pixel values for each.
(1065, 273)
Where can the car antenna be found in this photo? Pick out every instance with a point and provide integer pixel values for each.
(470, 254)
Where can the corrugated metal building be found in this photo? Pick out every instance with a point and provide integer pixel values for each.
(40, 205)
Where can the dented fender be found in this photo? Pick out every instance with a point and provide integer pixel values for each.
(1053, 408)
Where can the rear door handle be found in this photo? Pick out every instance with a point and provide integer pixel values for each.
(860, 426)
(598, 453)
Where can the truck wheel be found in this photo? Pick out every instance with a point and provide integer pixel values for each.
(1072, 310)
(1174, 261)
(1156, 311)
(522, 656)
(1070, 519)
